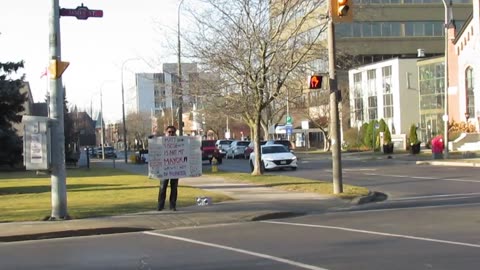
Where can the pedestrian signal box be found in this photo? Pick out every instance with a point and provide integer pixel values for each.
(315, 82)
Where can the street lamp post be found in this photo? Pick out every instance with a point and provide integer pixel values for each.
(102, 124)
(102, 130)
(448, 19)
(123, 111)
(180, 97)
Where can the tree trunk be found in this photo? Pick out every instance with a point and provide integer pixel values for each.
(256, 136)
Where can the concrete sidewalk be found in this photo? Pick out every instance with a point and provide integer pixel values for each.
(251, 203)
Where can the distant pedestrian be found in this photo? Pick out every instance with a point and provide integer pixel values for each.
(162, 194)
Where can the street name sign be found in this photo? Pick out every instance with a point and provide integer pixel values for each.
(81, 12)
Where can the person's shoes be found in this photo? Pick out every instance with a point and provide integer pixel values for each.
(173, 208)
(159, 208)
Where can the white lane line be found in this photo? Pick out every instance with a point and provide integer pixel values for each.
(375, 233)
(423, 177)
(436, 196)
(261, 255)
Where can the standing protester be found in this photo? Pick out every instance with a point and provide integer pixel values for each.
(162, 194)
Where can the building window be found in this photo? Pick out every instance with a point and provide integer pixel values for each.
(470, 93)
(387, 92)
(432, 98)
(372, 94)
(392, 29)
(358, 97)
(358, 110)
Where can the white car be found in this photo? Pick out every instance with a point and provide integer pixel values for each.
(222, 146)
(275, 156)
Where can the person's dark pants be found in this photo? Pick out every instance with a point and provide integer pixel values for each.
(162, 194)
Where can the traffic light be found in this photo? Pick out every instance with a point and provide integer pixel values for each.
(341, 10)
(315, 82)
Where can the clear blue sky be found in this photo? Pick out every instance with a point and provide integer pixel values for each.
(95, 48)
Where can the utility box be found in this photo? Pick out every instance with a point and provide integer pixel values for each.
(36, 142)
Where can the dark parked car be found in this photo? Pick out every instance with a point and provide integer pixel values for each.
(250, 149)
(109, 152)
(210, 150)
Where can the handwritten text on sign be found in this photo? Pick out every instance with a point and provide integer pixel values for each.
(174, 157)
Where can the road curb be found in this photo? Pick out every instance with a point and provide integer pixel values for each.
(448, 163)
(71, 233)
(373, 196)
(276, 215)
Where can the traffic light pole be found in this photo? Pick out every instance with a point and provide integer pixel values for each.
(334, 118)
(58, 170)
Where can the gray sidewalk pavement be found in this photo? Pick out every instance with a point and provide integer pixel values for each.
(251, 202)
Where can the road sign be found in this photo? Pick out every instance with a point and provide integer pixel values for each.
(81, 12)
(56, 68)
(289, 120)
(289, 129)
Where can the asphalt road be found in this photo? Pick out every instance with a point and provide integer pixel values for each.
(397, 179)
(430, 221)
(408, 238)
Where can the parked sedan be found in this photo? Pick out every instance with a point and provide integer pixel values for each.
(275, 156)
(237, 149)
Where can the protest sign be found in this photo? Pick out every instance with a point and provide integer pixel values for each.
(174, 157)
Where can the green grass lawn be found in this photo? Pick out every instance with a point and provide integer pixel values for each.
(25, 196)
(296, 184)
(95, 192)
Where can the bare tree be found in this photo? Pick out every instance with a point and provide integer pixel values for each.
(139, 127)
(256, 47)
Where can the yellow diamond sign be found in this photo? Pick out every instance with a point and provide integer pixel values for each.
(56, 68)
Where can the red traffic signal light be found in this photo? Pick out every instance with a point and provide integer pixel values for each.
(341, 11)
(315, 82)
(342, 8)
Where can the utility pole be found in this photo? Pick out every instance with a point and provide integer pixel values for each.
(338, 12)
(180, 96)
(448, 20)
(102, 136)
(334, 123)
(58, 170)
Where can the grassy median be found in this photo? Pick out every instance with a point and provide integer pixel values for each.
(295, 184)
(25, 196)
(95, 192)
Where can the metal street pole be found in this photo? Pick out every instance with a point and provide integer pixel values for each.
(123, 110)
(123, 118)
(448, 18)
(58, 170)
(334, 123)
(102, 136)
(180, 97)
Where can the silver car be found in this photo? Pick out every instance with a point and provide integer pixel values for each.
(237, 149)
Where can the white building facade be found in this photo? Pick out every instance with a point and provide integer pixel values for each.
(157, 92)
(467, 48)
(388, 90)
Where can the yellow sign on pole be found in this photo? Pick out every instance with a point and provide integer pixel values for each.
(56, 68)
